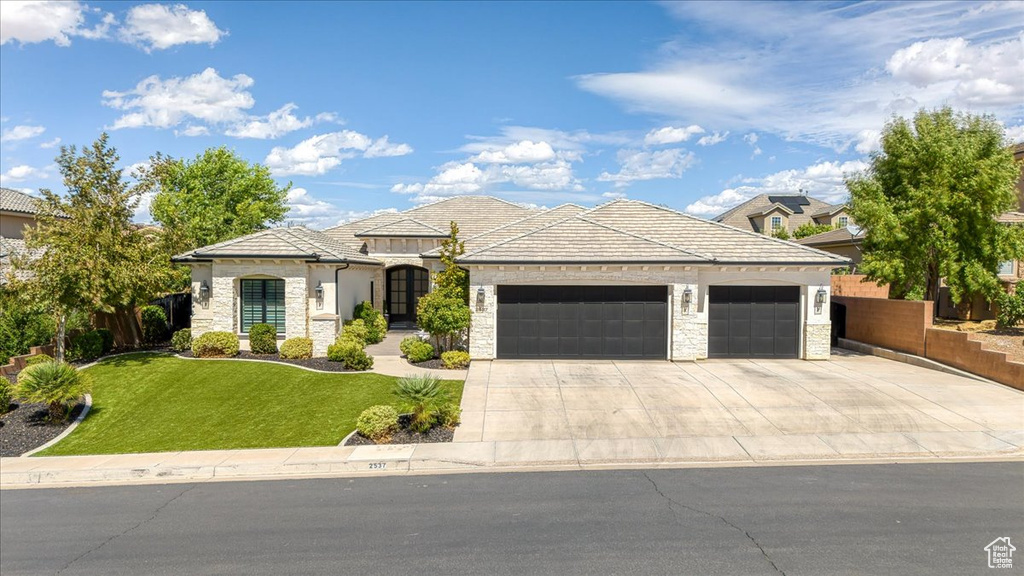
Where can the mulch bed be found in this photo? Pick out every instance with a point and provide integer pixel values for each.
(25, 427)
(433, 363)
(314, 363)
(406, 436)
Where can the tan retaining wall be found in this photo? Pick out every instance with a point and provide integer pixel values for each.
(896, 324)
(16, 363)
(957, 350)
(857, 285)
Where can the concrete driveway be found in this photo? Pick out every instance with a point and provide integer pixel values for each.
(852, 403)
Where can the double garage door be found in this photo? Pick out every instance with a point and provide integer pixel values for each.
(582, 322)
(632, 322)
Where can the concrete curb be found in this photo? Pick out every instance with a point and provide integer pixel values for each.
(64, 434)
(911, 359)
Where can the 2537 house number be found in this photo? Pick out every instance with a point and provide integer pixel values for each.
(378, 465)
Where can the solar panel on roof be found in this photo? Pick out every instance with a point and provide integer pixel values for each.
(794, 203)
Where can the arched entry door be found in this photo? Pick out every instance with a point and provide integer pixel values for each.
(405, 285)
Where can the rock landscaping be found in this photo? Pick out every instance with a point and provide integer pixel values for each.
(26, 427)
(405, 435)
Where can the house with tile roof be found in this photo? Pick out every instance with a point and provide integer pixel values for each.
(17, 212)
(625, 279)
(772, 213)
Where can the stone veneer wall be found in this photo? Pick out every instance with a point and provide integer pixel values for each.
(817, 341)
(223, 313)
(323, 331)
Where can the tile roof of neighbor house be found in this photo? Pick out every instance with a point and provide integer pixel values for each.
(635, 231)
(513, 229)
(474, 214)
(9, 248)
(297, 243)
(849, 234)
(404, 227)
(738, 216)
(17, 201)
(1011, 218)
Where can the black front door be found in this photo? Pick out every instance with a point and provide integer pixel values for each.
(405, 286)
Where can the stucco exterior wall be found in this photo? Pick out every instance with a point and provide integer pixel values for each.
(13, 225)
(354, 288)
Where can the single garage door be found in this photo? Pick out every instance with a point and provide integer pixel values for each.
(582, 322)
(753, 321)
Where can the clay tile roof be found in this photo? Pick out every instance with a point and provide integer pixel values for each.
(17, 201)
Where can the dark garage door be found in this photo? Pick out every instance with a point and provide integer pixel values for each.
(582, 321)
(753, 321)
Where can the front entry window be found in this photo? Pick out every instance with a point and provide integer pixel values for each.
(263, 303)
(405, 286)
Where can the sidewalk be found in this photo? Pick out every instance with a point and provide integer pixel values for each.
(348, 461)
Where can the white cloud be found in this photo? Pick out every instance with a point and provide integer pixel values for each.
(671, 135)
(165, 103)
(641, 165)
(318, 154)
(43, 21)
(276, 124)
(613, 195)
(22, 132)
(455, 178)
(193, 130)
(829, 74)
(824, 180)
(868, 141)
(1014, 133)
(752, 139)
(524, 151)
(20, 173)
(51, 143)
(160, 26)
(308, 210)
(713, 138)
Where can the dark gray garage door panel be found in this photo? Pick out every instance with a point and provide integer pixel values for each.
(582, 321)
(753, 321)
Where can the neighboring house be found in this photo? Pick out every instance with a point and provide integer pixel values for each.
(845, 241)
(17, 212)
(770, 213)
(626, 279)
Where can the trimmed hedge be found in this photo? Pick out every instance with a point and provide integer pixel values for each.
(378, 423)
(420, 352)
(86, 346)
(350, 352)
(407, 343)
(181, 340)
(263, 339)
(455, 359)
(154, 324)
(355, 330)
(215, 345)
(297, 348)
(376, 324)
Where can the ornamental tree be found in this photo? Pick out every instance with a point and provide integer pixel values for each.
(928, 204)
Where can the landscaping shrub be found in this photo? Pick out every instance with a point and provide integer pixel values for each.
(378, 423)
(376, 324)
(215, 345)
(454, 359)
(444, 318)
(297, 348)
(408, 342)
(38, 359)
(1011, 309)
(56, 384)
(355, 330)
(420, 352)
(6, 395)
(181, 340)
(449, 414)
(107, 337)
(422, 395)
(86, 346)
(350, 352)
(22, 325)
(154, 324)
(263, 339)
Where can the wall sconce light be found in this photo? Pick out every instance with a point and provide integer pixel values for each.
(480, 299)
(819, 299)
(319, 290)
(687, 298)
(204, 291)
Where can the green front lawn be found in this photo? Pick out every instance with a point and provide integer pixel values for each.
(156, 403)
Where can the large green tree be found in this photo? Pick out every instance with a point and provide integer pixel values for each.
(928, 203)
(214, 197)
(87, 254)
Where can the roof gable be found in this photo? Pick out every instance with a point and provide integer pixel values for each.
(405, 227)
(297, 243)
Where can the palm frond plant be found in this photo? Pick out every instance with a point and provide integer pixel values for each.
(56, 384)
(421, 395)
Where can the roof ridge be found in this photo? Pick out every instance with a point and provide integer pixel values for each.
(290, 241)
(392, 223)
(524, 234)
(642, 237)
(523, 219)
(227, 242)
(722, 225)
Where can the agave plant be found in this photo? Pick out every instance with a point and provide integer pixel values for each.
(422, 395)
(55, 384)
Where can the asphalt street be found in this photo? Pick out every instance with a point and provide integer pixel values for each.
(848, 519)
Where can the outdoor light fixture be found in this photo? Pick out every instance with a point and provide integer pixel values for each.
(687, 297)
(319, 294)
(204, 290)
(819, 299)
(480, 299)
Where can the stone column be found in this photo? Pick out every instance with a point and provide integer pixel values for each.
(323, 331)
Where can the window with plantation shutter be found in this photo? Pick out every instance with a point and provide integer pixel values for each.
(263, 303)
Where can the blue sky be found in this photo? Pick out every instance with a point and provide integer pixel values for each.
(371, 106)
